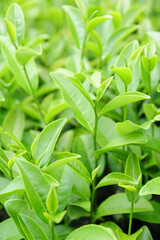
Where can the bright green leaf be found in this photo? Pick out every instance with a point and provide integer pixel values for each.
(24, 54)
(76, 24)
(103, 87)
(15, 16)
(36, 186)
(131, 138)
(93, 232)
(79, 104)
(124, 73)
(151, 187)
(46, 141)
(32, 230)
(122, 100)
(128, 126)
(52, 201)
(116, 178)
(12, 234)
(123, 236)
(119, 204)
(96, 21)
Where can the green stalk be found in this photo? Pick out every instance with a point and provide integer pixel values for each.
(93, 192)
(33, 95)
(95, 129)
(125, 108)
(54, 235)
(131, 216)
(124, 119)
(11, 174)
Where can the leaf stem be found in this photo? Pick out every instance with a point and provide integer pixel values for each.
(93, 192)
(95, 129)
(125, 108)
(54, 235)
(124, 119)
(130, 218)
(33, 94)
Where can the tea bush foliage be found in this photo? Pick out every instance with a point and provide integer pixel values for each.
(79, 120)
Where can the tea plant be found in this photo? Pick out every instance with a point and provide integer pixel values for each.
(79, 154)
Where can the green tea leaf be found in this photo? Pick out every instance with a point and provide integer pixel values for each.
(95, 171)
(150, 110)
(15, 127)
(4, 166)
(82, 8)
(145, 234)
(15, 186)
(133, 167)
(36, 186)
(131, 138)
(116, 178)
(11, 30)
(123, 236)
(76, 24)
(72, 162)
(96, 21)
(32, 230)
(46, 141)
(91, 231)
(86, 205)
(151, 187)
(55, 110)
(122, 100)
(95, 79)
(61, 159)
(79, 104)
(56, 218)
(103, 87)
(84, 146)
(12, 234)
(129, 57)
(116, 37)
(106, 131)
(130, 189)
(64, 189)
(24, 54)
(119, 204)
(18, 206)
(152, 217)
(18, 71)
(52, 201)
(113, 226)
(15, 16)
(124, 73)
(128, 126)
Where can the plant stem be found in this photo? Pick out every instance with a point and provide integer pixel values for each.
(93, 192)
(11, 174)
(130, 218)
(125, 108)
(54, 235)
(95, 129)
(124, 119)
(33, 95)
